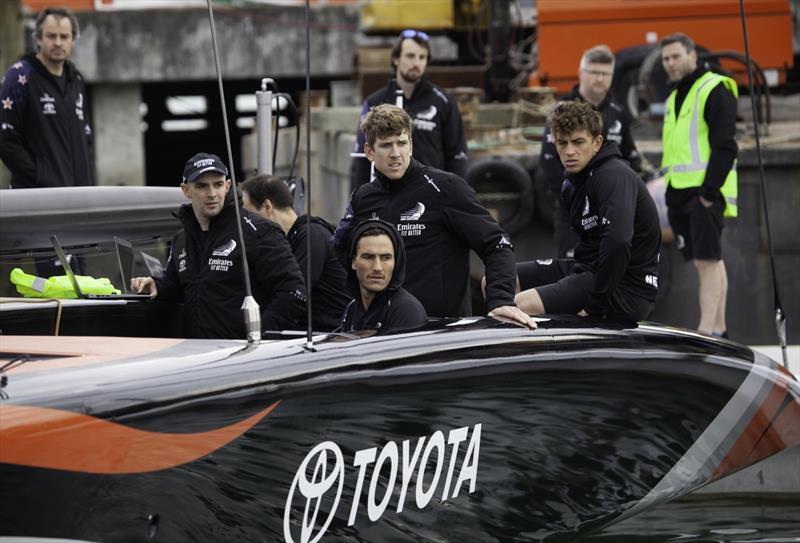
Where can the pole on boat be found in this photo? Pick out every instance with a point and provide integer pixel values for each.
(264, 126)
(250, 310)
(780, 316)
(309, 335)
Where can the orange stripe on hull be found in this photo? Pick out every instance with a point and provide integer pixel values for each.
(769, 431)
(51, 438)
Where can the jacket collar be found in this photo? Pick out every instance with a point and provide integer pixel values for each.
(394, 185)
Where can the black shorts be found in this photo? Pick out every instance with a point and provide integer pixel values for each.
(561, 290)
(565, 289)
(698, 229)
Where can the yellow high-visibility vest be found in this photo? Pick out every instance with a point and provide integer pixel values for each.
(32, 286)
(685, 140)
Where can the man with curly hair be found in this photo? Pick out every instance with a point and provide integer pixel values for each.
(614, 272)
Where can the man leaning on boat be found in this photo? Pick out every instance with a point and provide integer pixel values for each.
(204, 266)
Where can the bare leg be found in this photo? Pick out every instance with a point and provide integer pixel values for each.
(530, 302)
(710, 292)
(719, 320)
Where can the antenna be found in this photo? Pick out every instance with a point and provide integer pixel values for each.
(780, 317)
(309, 339)
(250, 309)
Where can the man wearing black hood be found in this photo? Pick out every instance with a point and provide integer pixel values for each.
(615, 269)
(438, 130)
(375, 279)
(204, 270)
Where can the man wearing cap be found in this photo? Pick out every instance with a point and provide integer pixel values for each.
(204, 267)
(438, 130)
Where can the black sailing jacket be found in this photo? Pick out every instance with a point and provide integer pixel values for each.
(617, 221)
(328, 279)
(204, 271)
(438, 134)
(440, 219)
(45, 134)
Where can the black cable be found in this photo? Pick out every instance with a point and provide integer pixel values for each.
(780, 317)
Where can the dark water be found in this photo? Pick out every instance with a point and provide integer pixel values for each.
(723, 520)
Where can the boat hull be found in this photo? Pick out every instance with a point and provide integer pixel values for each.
(495, 435)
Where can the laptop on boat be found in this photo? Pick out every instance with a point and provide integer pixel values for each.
(126, 258)
(90, 296)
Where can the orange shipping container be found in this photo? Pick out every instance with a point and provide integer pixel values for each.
(569, 27)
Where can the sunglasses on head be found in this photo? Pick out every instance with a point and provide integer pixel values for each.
(409, 34)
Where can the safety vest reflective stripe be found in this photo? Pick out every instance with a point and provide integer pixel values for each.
(686, 148)
(694, 137)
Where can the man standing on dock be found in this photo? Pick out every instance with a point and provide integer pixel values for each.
(45, 134)
(700, 158)
(438, 130)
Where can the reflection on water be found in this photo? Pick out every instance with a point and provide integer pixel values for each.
(701, 520)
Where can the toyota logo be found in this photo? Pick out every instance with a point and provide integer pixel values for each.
(314, 490)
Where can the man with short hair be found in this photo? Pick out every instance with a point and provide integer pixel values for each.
(700, 158)
(375, 279)
(440, 219)
(270, 197)
(595, 74)
(438, 129)
(45, 134)
(204, 270)
(615, 269)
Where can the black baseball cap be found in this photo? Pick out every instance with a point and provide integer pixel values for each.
(202, 163)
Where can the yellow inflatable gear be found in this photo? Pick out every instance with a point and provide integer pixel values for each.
(32, 286)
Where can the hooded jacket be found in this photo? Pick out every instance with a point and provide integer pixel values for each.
(438, 134)
(204, 271)
(440, 219)
(620, 237)
(45, 134)
(328, 277)
(392, 309)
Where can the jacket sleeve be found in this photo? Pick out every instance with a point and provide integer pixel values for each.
(168, 286)
(454, 142)
(549, 162)
(319, 252)
(273, 265)
(13, 150)
(615, 197)
(720, 115)
(475, 227)
(360, 166)
(340, 241)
